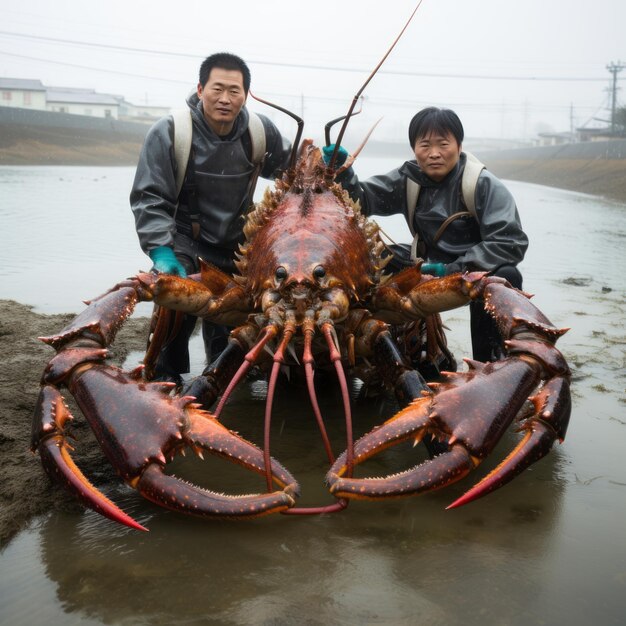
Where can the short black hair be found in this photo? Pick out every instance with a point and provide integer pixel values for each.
(438, 121)
(225, 61)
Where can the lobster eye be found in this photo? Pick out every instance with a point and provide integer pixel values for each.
(319, 272)
(280, 273)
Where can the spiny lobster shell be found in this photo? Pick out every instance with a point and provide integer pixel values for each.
(306, 222)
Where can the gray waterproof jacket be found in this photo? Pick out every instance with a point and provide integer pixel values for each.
(220, 172)
(496, 239)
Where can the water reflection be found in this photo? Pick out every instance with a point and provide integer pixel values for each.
(389, 562)
(367, 565)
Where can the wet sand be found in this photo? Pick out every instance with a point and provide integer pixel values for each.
(25, 489)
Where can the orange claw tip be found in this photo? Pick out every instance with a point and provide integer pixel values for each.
(121, 517)
(466, 498)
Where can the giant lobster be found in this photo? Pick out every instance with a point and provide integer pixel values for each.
(311, 292)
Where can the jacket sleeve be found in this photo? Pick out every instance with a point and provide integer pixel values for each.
(153, 198)
(503, 242)
(278, 151)
(379, 195)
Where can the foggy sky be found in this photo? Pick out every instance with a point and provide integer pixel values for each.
(509, 68)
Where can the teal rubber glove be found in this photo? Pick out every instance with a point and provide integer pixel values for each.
(435, 269)
(165, 261)
(327, 153)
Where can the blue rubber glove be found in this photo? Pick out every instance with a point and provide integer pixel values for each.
(327, 153)
(436, 269)
(165, 261)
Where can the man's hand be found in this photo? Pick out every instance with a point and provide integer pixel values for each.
(435, 269)
(165, 262)
(340, 159)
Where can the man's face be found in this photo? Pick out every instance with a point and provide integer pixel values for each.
(222, 98)
(437, 155)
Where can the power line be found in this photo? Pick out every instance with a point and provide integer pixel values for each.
(96, 69)
(299, 65)
(377, 101)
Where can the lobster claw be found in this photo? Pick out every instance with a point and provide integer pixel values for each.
(471, 411)
(49, 439)
(206, 433)
(413, 422)
(139, 428)
(548, 423)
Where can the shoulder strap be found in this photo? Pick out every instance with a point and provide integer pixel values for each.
(412, 192)
(257, 137)
(183, 129)
(473, 168)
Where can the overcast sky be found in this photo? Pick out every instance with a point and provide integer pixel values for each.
(510, 68)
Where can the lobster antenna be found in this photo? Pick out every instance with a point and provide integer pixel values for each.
(330, 124)
(299, 120)
(333, 158)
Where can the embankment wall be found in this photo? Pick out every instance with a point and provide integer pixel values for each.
(46, 138)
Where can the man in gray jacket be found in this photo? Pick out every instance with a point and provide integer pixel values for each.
(450, 238)
(205, 218)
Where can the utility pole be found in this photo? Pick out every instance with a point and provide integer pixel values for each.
(614, 68)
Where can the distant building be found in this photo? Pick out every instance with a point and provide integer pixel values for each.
(140, 113)
(32, 94)
(557, 139)
(599, 134)
(81, 102)
(23, 93)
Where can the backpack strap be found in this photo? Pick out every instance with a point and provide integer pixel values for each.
(259, 144)
(257, 137)
(469, 180)
(412, 193)
(183, 130)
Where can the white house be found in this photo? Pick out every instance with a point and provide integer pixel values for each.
(81, 102)
(32, 94)
(23, 93)
(140, 113)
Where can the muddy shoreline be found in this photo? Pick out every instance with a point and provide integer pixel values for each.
(25, 489)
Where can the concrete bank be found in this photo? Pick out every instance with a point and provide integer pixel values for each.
(46, 138)
(597, 168)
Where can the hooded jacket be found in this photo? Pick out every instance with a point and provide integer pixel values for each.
(494, 240)
(220, 171)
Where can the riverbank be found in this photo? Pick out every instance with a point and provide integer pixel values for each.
(32, 137)
(596, 168)
(595, 176)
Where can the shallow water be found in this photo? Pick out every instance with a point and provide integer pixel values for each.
(549, 548)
